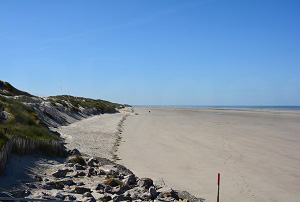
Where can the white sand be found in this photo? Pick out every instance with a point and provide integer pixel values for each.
(95, 136)
(257, 153)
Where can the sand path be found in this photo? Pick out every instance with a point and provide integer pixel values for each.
(95, 136)
(257, 153)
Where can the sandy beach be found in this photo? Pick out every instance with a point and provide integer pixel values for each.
(94, 136)
(256, 152)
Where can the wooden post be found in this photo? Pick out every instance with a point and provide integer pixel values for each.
(218, 196)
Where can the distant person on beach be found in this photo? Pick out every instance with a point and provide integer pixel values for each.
(149, 111)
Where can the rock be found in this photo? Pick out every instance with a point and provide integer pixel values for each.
(110, 170)
(59, 195)
(87, 194)
(105, 197)
(91, 199)
(100, 187)
(92, 162)
(113, 182)
(92, 171)
(81, 173)
(101, 172)
(145, 182)
(81, 190)
(153, 193)
(77, 166)
(56, 184)
(107, 189)
(6, 115)
(61, 173)
(80, 184)
(160, 183)
(129, 180)
(70, 198)
(21, 193)
(168, 192)
(117, 198)
(45, 186)
(38, 178)
(31, 186)
(135, 193)
(69, 164)
(50, 198)
(74, 152)
(68, 182)
(119, 190)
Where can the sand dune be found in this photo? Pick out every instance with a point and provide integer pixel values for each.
(257, 152)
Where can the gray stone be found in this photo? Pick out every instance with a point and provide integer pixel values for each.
(69, 165)
(117, 198)
(92, 162)
(59, 195)
(38, 178)
(100, 187)
(45, 186)
(55, 184)
(90, 199)
(70, 198)
(77, 166)
(160, 183)
(105, 197)
(92, 171)
(129, 180)
(145, 182)
(87, 194)
(61, 173)
(81, 190)
(153, 193)
(75, 152)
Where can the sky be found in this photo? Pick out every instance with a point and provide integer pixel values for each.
(154, 52)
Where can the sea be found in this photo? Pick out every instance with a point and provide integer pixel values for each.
(224, 107)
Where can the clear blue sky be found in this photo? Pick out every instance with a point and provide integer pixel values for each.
(204, 52)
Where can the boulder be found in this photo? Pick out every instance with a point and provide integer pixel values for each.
(105, 197)
(100, 187)
(117, 198)
(81, 190)
(59, 195)
(70, 198)
(145, 182)
(153, 192)
(92, 171)
(160, 183)
(74, 152)
(129, 180)
(92, 162)
(77, 166)
(61, 173)
(87, 194)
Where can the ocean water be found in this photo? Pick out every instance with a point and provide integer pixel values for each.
(225, 107)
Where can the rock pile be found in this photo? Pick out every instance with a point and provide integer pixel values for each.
(102, 180)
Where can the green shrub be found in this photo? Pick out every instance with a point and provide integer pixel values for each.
(113, 182)
(78, 159)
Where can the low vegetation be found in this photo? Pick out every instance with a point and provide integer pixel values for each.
(24, 122)
(76, 102)
(8, 90)
(78, 159)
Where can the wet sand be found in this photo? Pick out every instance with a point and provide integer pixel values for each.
(256, 152)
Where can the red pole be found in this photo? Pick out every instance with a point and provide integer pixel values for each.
(218, 196)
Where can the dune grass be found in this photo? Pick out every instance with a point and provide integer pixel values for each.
(101, 105)
(23, 123)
